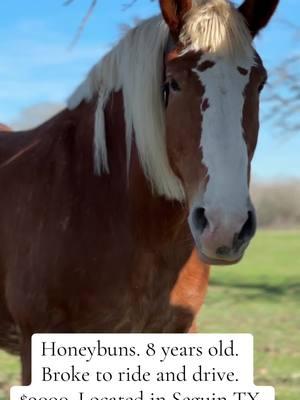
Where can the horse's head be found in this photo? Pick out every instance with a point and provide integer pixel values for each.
(213, 78)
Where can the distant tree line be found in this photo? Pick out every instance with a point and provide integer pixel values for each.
(277, 204)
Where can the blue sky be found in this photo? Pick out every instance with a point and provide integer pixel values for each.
(37, 67)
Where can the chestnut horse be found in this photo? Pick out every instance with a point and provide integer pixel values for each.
(112, 210)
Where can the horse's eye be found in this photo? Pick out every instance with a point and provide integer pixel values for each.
(174, 85)
(262, 85)
(166, 93)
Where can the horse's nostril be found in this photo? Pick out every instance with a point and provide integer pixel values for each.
(248, 229)
(199, 219)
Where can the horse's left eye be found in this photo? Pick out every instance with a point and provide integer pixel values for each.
(262, 85)
(166, 93)
(174, 85)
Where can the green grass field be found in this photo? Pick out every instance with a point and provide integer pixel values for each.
(261, 295)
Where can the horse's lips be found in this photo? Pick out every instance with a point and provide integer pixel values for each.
(219, 261)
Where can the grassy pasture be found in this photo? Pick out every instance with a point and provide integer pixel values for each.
(261, 295)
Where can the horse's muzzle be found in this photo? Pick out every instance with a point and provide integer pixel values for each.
(221, 238)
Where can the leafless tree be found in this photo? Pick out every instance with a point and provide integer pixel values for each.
(282, 96)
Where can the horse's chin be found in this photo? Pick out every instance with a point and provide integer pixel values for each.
(219, 261)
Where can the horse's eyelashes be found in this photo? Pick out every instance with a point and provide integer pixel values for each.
(166, 93)
(172, 84)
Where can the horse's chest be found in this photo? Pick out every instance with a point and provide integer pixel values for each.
(166, 299)
(154, 295)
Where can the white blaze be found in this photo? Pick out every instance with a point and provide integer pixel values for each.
(222, 139)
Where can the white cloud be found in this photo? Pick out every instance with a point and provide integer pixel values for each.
(35, 115)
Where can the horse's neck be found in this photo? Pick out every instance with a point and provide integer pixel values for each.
(151, 218)
(154, 218)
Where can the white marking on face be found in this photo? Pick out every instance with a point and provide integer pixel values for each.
(222, 140)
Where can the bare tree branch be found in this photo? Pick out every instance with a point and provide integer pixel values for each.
(128, 5)
(282, 98)
(67, 2)
(87, 16)
(83, 22)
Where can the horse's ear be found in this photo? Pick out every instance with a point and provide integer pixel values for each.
(173, 12)
(258, 13)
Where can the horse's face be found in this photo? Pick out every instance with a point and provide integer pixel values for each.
(212, 108)
(212, 128)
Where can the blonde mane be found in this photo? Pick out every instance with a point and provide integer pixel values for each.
(135, 66)
(215, 26)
